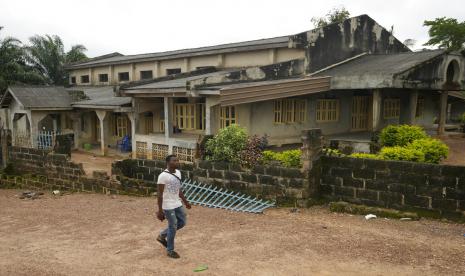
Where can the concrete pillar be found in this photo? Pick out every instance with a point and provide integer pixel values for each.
(101, 114)
(34, 122)
(55, 122)
(272, 56)
(156, 70)
(110, 75)
(413, 106)
(209, 118)
(186, 65)
(132, 72)
(311, 152)
(91, 79)
(134, 118)
(167, 106)
(442, 112)
(77, 121)
(377, 99)
(220, 62)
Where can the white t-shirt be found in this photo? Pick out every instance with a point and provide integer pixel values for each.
(172, 184)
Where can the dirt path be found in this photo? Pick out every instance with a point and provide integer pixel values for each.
(93, 234)
(92, 162)
(456, 150)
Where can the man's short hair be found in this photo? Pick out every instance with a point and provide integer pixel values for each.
(168, 158)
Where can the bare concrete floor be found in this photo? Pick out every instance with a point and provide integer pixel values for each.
(456, 145)
(91, 234)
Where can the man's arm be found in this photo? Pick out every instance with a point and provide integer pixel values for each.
(160, 189)
(183, 198)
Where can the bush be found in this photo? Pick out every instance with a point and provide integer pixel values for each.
(401, 135)
(331, 152)
(203, 146)
(227, 145)
(253, 152)
(463, 118)
(433, 149)
(365, 155)
(402, 153)
(288, 158)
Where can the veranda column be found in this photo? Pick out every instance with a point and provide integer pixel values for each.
(134, 118)
(209, 103)
(413, 106)
(167, 105)
(76, 117)
(377, 99)
(442, 112)
(101, 117)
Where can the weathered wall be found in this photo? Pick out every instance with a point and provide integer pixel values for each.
(340, 41)
(435, 189)
(285, 185)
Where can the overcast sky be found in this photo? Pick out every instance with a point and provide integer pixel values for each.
(144, 26)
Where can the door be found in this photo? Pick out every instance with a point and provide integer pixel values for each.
(360, 113)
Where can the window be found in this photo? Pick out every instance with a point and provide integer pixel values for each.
(146, 75)
(173, 71)
(121, 125)
(85, 79)
(391, 108)
(290, 111)
(123, 76)
(103, 77)
(148, 122)
(420, 107)
(185, 116)
(327, 110)
(228, 116)
(73, 80)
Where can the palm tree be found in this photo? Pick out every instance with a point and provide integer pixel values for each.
(47, 55)
(13, 65)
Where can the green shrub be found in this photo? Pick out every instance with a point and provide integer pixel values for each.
(365, 155)
(253, 151)
(433, 149)
(288, 158)
(227, 145)
(401, 135)
(332, 152)
(463, 118)
(402, 153)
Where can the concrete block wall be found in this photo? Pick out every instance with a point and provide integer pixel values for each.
(285, 185)
(436, 189)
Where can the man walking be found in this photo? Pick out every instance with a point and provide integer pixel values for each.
(169, 197)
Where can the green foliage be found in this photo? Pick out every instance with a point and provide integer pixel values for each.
(288, 158)
(227, 145)
(13, 65)
(401, 135)
(447, 33)
(433, 149)
(335, 15)
(463, 118)
(402, 153)
(332, 152)
(365, 155)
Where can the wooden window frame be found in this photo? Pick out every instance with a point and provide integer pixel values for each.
(185, 116)
(226, 117)
(85, 77)
(290, 111)
(73, 80)
(121, 125)
(327, 110)
(391, 108)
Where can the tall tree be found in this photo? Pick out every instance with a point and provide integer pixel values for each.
(446, 33)
(47, 55)
(335, 15)
(13, 65)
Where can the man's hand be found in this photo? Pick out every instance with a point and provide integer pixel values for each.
(188, 205)
(160, 215)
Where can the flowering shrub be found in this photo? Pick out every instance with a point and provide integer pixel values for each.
(253, 151)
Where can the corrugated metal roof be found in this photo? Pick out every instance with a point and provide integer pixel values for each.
(40, 97)
(388, 64)
(281, 41)
(99, 96)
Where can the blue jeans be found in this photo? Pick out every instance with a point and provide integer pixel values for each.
(176, 220)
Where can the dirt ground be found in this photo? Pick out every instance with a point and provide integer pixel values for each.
(91, 234)
(92, 162)
(456, 150)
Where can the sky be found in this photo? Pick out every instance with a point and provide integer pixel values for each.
(146, 26)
